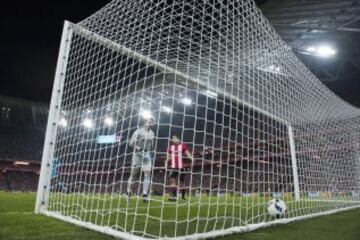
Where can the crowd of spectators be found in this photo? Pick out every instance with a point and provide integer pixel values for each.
(221, 169)
(22, 131)
(21, 144)
(19, 147)
(18, 181)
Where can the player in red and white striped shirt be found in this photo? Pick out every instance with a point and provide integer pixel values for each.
(176, 153)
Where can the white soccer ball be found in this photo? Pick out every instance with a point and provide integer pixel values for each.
(276, 207)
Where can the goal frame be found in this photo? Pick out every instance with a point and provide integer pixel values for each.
(52, 127)
(52, 123)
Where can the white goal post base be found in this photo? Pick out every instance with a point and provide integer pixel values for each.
(217, 233)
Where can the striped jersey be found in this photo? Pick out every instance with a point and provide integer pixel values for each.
(176, 153)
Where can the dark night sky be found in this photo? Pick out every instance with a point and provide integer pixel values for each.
(31, 32)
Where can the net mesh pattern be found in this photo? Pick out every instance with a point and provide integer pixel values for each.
(257, 123)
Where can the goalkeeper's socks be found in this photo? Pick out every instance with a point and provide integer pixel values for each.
(183, 194)
(146, 198)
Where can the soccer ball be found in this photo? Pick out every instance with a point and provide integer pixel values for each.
(276, 208)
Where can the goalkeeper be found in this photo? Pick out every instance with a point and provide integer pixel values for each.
(175, 163)
(142, 141)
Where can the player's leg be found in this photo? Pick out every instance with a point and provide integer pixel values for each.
(146, 168)
(173, 188)
(182, 184)
(146, 185)
(134, 172)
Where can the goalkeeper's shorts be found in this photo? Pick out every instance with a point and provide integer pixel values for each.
(142, 160)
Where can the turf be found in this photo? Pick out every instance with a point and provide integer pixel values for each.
(17, 221)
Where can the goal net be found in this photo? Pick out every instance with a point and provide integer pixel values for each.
(183, 119)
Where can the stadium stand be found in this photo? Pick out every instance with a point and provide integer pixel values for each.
(22, 128)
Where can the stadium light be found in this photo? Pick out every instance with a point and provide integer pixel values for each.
(88, 123)
(21, 163)
(146, 114)
(108, 121)
(311, 49)
(186, 101)
(326, 51)
(322, 51)
(63, 122)
(274, 68)
(166, 109)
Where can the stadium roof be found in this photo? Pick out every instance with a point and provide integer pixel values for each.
(307, 24)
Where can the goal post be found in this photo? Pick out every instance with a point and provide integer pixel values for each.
(294, 163)
(182, 120)
(53, 120)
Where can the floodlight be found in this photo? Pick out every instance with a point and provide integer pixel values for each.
(146, 114)
(325, 51)
(322, 51)
(108, 121)
(166, 109)
(88, 123)
(186, 101)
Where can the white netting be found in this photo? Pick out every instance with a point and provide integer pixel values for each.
(258, 125)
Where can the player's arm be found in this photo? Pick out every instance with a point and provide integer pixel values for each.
(189, 156)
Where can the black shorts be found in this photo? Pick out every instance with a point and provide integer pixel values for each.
(177, 173)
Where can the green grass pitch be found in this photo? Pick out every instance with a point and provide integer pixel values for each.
(17, 220)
